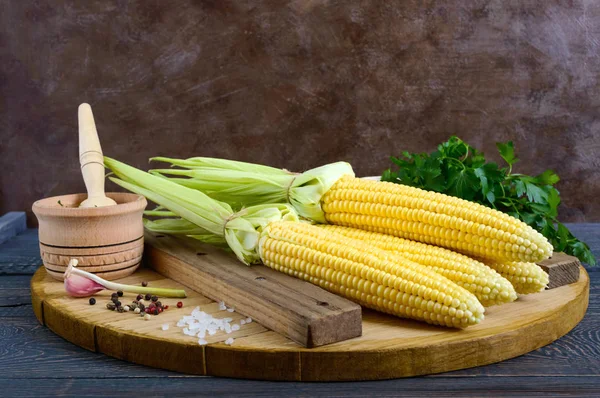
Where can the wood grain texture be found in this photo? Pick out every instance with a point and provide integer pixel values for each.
(35, 360)
(514, 386)
(562, 269)
(108, 239)
(296, 309)
(299, 83)
(36, 352)
(389, 348)
(64, 224)
(12, 224)
(21, 254)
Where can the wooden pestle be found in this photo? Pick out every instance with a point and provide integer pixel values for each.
(91, 160)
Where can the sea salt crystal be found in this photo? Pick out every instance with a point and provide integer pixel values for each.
(248, 320)
(195, 326)
(229, 341)
(165, 326)
(243, 322)
(188, 332)
(222, 306)
(202, 342)
(201, 323)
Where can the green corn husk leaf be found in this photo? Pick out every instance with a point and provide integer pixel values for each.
(174, 226)
(159, 213)
(248, 187)
(220, 164)
(180, 226)
(240, 230)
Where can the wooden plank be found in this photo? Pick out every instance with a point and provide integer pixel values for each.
(21, 254)
(128, 385)
(12, 224)
(14, 290)
(562, 269)
(296, 309)
(30, 350)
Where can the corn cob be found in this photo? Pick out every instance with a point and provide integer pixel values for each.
(525, 277)
(487, 285)
(433, 218)
(393, 209)
(374, 278)
(370, 276)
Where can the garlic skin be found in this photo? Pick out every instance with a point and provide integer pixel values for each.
(77, 285)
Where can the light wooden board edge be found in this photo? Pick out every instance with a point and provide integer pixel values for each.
(311, 365)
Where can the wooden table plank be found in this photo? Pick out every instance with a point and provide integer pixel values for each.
(20, 255)
(14, 290)
(121, 386)
(12, 224)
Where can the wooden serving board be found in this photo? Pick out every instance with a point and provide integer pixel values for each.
(388, 348)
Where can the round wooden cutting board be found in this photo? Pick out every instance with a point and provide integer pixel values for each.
(389, 347)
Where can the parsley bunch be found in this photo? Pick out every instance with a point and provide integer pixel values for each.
(460, 170)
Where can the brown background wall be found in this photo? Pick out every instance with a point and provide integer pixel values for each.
(298, 83)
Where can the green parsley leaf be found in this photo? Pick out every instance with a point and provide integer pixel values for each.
(548, 177)
(463, 183)
(507, 151)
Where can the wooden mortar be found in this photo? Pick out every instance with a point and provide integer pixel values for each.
(105, 239)
(104, 232)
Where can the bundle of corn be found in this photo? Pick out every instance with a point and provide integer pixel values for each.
(332, 194)
(373, 277)
(492, 282)
(487, 285)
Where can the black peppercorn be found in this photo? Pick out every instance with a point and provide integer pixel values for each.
(144, 283)
(158, 304)
(139, 297)
(156, 311)
(141, 306)
(148, 296)
(117, 303)
(92, 301)
(154, 298)
(120, 293)
(110, 306)
(114, 295)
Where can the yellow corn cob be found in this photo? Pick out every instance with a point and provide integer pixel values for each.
(374, 278)
(525, 277)
(487, 285)
(433, 218)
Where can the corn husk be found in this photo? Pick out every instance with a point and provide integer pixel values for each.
(245, 184)
(241, 230)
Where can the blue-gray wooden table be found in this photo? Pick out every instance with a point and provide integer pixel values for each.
(36, 362)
